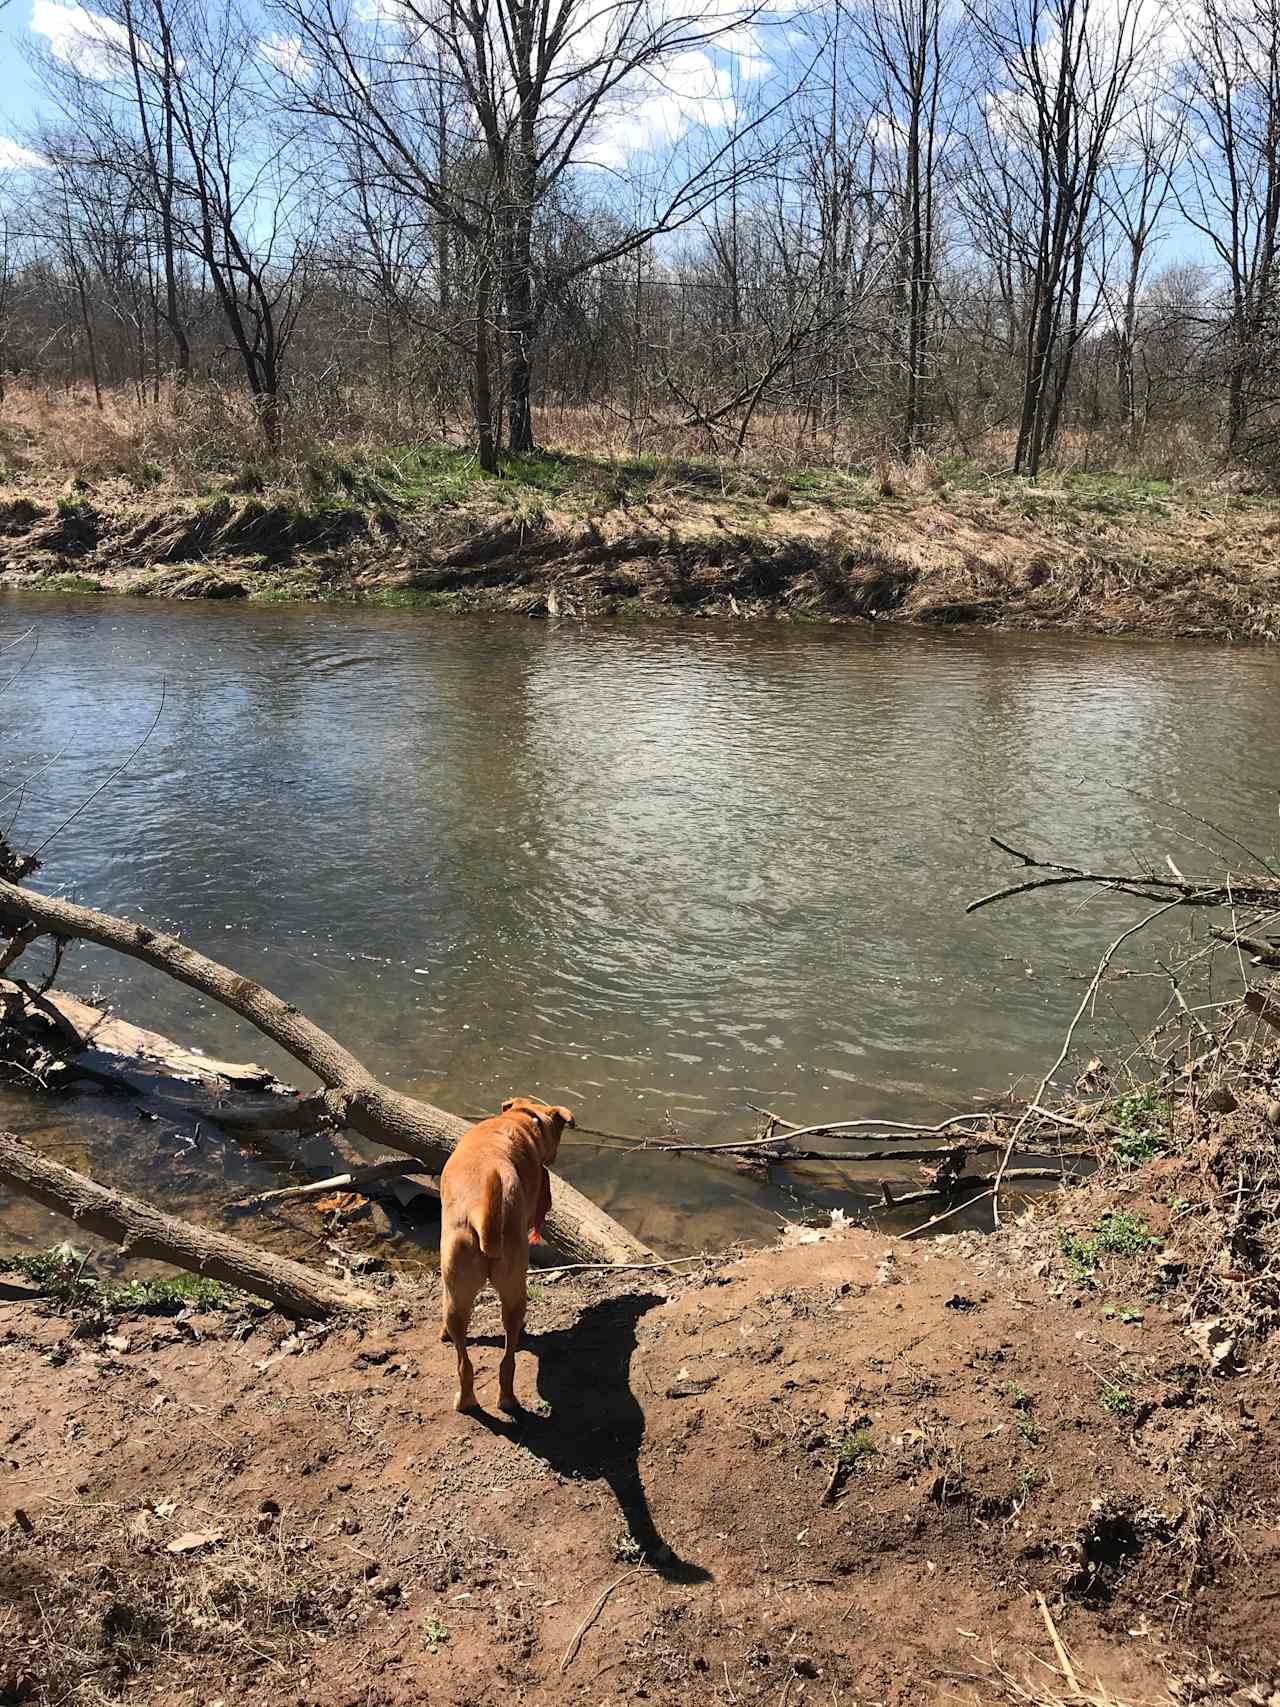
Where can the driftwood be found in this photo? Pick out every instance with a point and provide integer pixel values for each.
(145, 1232)
(81, 1026)
(1260, 953)
(352, 1096)
(966, 1182)
(356, 1179)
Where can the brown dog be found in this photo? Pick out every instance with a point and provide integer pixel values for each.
(494, 1196)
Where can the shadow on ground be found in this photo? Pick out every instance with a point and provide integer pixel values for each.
(595, 1425)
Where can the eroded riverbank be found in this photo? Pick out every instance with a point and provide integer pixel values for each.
(1094, 558)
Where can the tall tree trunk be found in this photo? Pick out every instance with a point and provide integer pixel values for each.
(483, 384)
(86, 320)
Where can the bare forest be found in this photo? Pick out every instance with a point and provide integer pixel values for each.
(1031, 233)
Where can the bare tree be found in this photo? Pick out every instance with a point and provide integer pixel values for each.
(1056, 92)
(1138, 190)
(530, 83)
(912, 50)
(1233, 191)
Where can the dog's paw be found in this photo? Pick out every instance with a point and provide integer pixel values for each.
(510, 1404)
(444, 1336)
(466, 1402)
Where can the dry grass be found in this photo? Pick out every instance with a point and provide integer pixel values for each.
(249, 1601)
(186, 436)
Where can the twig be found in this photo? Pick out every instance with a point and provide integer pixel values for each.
(35, 646)
(946, 1215)
(571, 1651)
(618, 1267)
(1033, 1106)
(1145, 885)
(1063, 1658)
(386, 1169)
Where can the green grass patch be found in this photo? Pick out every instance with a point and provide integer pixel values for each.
(410, 598)
(59, 1274)
(1118, 1400)
(1141, 1120)
(854, 1448)
(1022, 1402)
(435, 1634)
(69, 583)
(1118, 1234)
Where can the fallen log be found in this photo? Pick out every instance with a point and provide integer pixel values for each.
(352, 1096)
(141, 1231)
(81, 1026)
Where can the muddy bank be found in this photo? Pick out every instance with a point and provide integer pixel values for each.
(933, 563)
(838, 1472)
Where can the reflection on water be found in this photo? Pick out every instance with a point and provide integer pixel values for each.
(660, 873)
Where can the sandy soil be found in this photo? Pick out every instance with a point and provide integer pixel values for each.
(833, 1473)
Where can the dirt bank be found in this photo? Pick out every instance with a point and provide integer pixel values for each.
(1092, 556)
(838, 1472)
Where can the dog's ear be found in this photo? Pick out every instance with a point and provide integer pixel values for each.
(566, 1115)
(509, 1104)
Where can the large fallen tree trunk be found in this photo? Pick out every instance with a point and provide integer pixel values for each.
(351, 1097)
(141, 1231)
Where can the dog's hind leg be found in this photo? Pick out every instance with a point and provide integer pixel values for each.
(463, 1276)
(512, 1287)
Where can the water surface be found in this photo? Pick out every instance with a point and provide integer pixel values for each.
(658, 872)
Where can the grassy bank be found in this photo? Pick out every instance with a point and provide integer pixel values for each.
(583, 534)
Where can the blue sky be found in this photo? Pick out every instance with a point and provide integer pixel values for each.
(18, 103)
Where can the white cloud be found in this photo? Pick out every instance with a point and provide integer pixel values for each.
(688, 91)
(86, 40)
(286, 54)
(15, 158)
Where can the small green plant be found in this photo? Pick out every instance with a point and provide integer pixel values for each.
(59, 1274)
(1028, 1481)
(627, 1550)
(1021, 1401)
(855, 1447)
(1117, 1400)
(1118, 1234)
(1141, 1120)
(435, 1634)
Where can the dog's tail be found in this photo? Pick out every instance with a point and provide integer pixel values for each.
(486, 1220)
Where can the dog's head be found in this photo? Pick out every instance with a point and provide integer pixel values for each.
(549, 1121)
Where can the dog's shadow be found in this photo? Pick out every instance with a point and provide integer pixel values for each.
(595, 1424)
